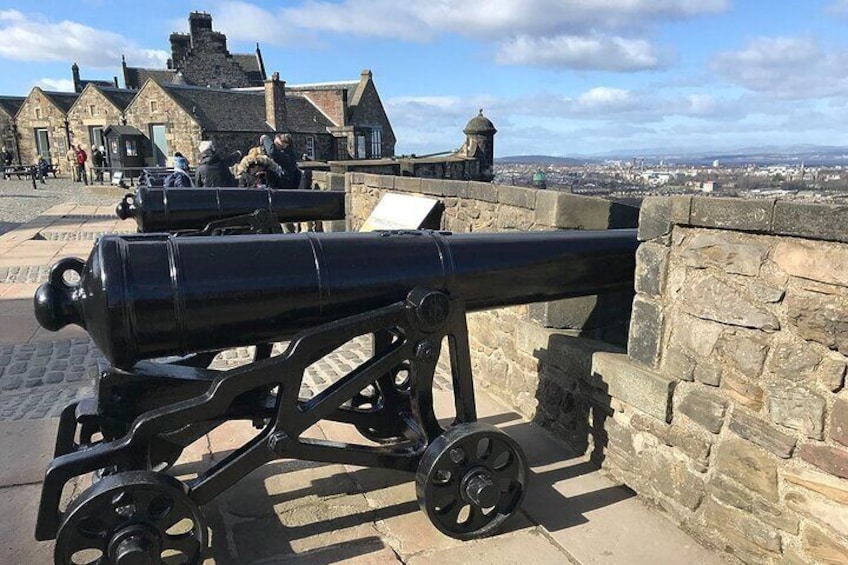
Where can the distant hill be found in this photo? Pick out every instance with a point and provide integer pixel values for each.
(544, 160)
(812, 155)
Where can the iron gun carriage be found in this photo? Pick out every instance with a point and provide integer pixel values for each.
(198, 211)
(143, 297)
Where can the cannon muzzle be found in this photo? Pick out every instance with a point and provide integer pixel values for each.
(147, 296)
(168, 210)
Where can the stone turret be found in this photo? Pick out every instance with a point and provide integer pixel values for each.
(480, 143)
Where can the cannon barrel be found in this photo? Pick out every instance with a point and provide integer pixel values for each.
(147, 296)
(166, 210)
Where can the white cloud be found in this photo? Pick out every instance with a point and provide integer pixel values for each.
(32, 37)
(608, 35)
(56, 84)
(786, 67)
(597, 52)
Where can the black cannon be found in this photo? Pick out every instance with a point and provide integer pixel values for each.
(227, 210)
(142, 297)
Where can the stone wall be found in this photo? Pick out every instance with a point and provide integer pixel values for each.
(536, 358)
(182, 132)
(728, 408)
(91, 109)
(52, 119)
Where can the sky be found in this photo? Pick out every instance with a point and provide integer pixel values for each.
(556, 77)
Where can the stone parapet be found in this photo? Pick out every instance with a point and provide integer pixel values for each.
(742, 306)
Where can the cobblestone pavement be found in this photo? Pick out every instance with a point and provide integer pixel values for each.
(19, 203)
(37, 380)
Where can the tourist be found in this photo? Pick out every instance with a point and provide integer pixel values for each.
(179, 178)
(213, 169)
(82, 157)
(258, 170)
(7, 162)
(98, 161)
(71, 157)
(285, 157)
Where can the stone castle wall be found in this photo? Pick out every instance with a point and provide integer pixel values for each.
(728, 408)
(52, 119)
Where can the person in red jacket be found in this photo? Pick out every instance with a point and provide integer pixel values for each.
(82, 157)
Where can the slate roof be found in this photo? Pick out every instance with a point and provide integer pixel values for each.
(304, 117)
(135, 77)
(120, 97)
(63, 100)
(122, 130)
(221, 110)
(11, 104)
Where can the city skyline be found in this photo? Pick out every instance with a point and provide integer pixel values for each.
(557, 77)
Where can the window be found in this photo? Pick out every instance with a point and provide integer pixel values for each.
(154, 106)
(42, 142)
(95, 136)
(342, 154)
(38, 113)
(92, 110)
(376, 143)
(132, 150)
(310, 147)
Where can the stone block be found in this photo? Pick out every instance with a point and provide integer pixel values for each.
(442, 188)
(646, 327)
(695, 335)
(705, 408)
(654, 218)
(815, 221)
(730, 493)
(681, 210)
(408, 184)
(677, 365)
(827, 485)
(712, 298)
(708, 374)
(833, 460)
(724, 251)
(748, 465)
(742, 530)
(673, 479)
(797, 408)
(762, 433)
(822, 262)
(732, 213)
(839, 421)
(482, 191)
(831, 373)
(832, 515)
(793, 361)
(689, 443)
(641, 388)
(765, 293)
(819, 317)
(742, 391)
(823, 547)
(747, 351)
(651, 262)
(518, 196)
(568, 211)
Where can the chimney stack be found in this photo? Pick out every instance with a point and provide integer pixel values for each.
(275, 103)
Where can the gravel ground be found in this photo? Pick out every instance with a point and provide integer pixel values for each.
(19, 203)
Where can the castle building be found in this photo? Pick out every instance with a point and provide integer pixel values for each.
(9, 106)
(96, 108)
(42, 125)
(201, 58)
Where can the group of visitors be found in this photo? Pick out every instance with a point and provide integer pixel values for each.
(272, 164)
(77, 159)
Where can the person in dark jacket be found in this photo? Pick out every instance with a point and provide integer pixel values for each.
(213, 169)
(179, 178)
(98, 160)
(284, 156)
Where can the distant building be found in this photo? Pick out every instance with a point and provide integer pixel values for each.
(9, 137)
(94, 110)
(43, 127)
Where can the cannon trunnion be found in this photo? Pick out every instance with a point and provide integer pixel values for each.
(209, 209)
(144, 297)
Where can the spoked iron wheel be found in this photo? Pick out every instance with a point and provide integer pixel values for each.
(132, 518)
(470, 480)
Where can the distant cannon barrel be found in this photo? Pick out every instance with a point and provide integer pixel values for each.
(174, 209)
(147, 296)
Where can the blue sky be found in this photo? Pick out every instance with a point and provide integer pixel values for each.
(558, 77)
